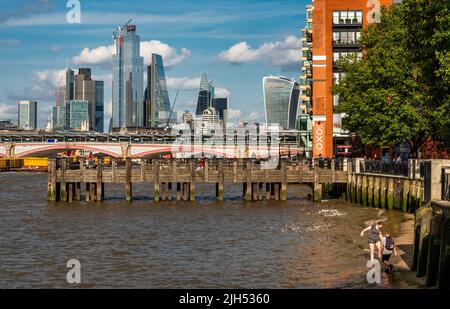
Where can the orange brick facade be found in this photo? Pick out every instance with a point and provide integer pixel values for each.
(323, 64)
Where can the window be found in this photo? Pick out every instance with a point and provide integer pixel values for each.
(347, 17)
(335, 17)
(336, 37)
(359, 17)
(358, 36)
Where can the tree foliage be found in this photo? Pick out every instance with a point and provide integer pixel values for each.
(400, 90)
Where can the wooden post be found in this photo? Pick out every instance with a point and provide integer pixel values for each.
(317, 185)
(283, 195)
(260, 191)
(383, 192)
(370, 192)
(390, 193)
(143, 167)
(63, 184)
(268, 191)
(333, 171)
(52, 192)
(157, 191)
(113, 169)
(300, 171)
(376, 192)
(88, 192)
(78, 191)
(220, 184)
(93, 191)
(178, 191)
(192, 181)
(128, 184)
(248, 191)
(185, 191)
(169, 191)
(277, 191)
(100, 193)
(254, 191)
(70, 192)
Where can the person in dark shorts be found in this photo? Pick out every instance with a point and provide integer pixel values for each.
(375, 238)
(388, 249)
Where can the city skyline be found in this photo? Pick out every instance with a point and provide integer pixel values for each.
(214, 42)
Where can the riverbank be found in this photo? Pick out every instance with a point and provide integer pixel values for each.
(402, 263)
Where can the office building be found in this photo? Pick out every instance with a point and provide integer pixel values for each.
(156, 95)
(127, 86)
(336, 30)
(79, 115)
(27, 115)
(99, 106)
(205, 94)
(281, 101)
(87, 89)
(221, 105)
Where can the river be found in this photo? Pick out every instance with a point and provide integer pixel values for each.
(142, 244)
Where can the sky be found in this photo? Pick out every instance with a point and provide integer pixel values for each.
(236, 42)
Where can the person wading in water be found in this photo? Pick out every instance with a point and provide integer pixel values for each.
(375, 238)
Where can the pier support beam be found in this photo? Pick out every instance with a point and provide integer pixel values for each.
(157, 189)
(52, 185)
(283, 193)
(128, 184)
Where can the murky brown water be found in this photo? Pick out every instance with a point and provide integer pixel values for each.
(295, 244)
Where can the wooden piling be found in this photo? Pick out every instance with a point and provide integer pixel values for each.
(128, 184)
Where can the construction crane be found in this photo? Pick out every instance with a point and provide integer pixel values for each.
(171, 110)
(117, 33)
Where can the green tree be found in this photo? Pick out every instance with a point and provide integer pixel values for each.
(400, 91)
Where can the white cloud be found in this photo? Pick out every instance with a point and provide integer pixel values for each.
(102, 55)
(234, 114)
(8, 111)
(183, 83)
(222, 92)
(285, 54)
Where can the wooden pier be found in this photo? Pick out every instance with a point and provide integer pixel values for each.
(177, 178)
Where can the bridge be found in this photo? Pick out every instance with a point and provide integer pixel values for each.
(148, 145)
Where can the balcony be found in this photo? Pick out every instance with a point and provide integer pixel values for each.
(347, 24)
(349, 44)
(309, 37)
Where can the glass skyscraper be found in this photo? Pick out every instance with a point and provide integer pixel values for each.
(27, 115)
(281, 101)
(205, 94)
(79, 114)
(99, 106)
(156, 95)
(128, 66)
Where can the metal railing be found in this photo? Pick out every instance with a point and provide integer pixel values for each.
(381, 167)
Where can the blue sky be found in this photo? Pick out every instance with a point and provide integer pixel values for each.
(236, 42)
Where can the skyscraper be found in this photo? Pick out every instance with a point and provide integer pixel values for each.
(156, 95)
(69, 87)
(85, 88)
(220, 104)
(127, 92)
(99, 106)
(27, 115)
(281, 101)
(79, 111)
(205, 94)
